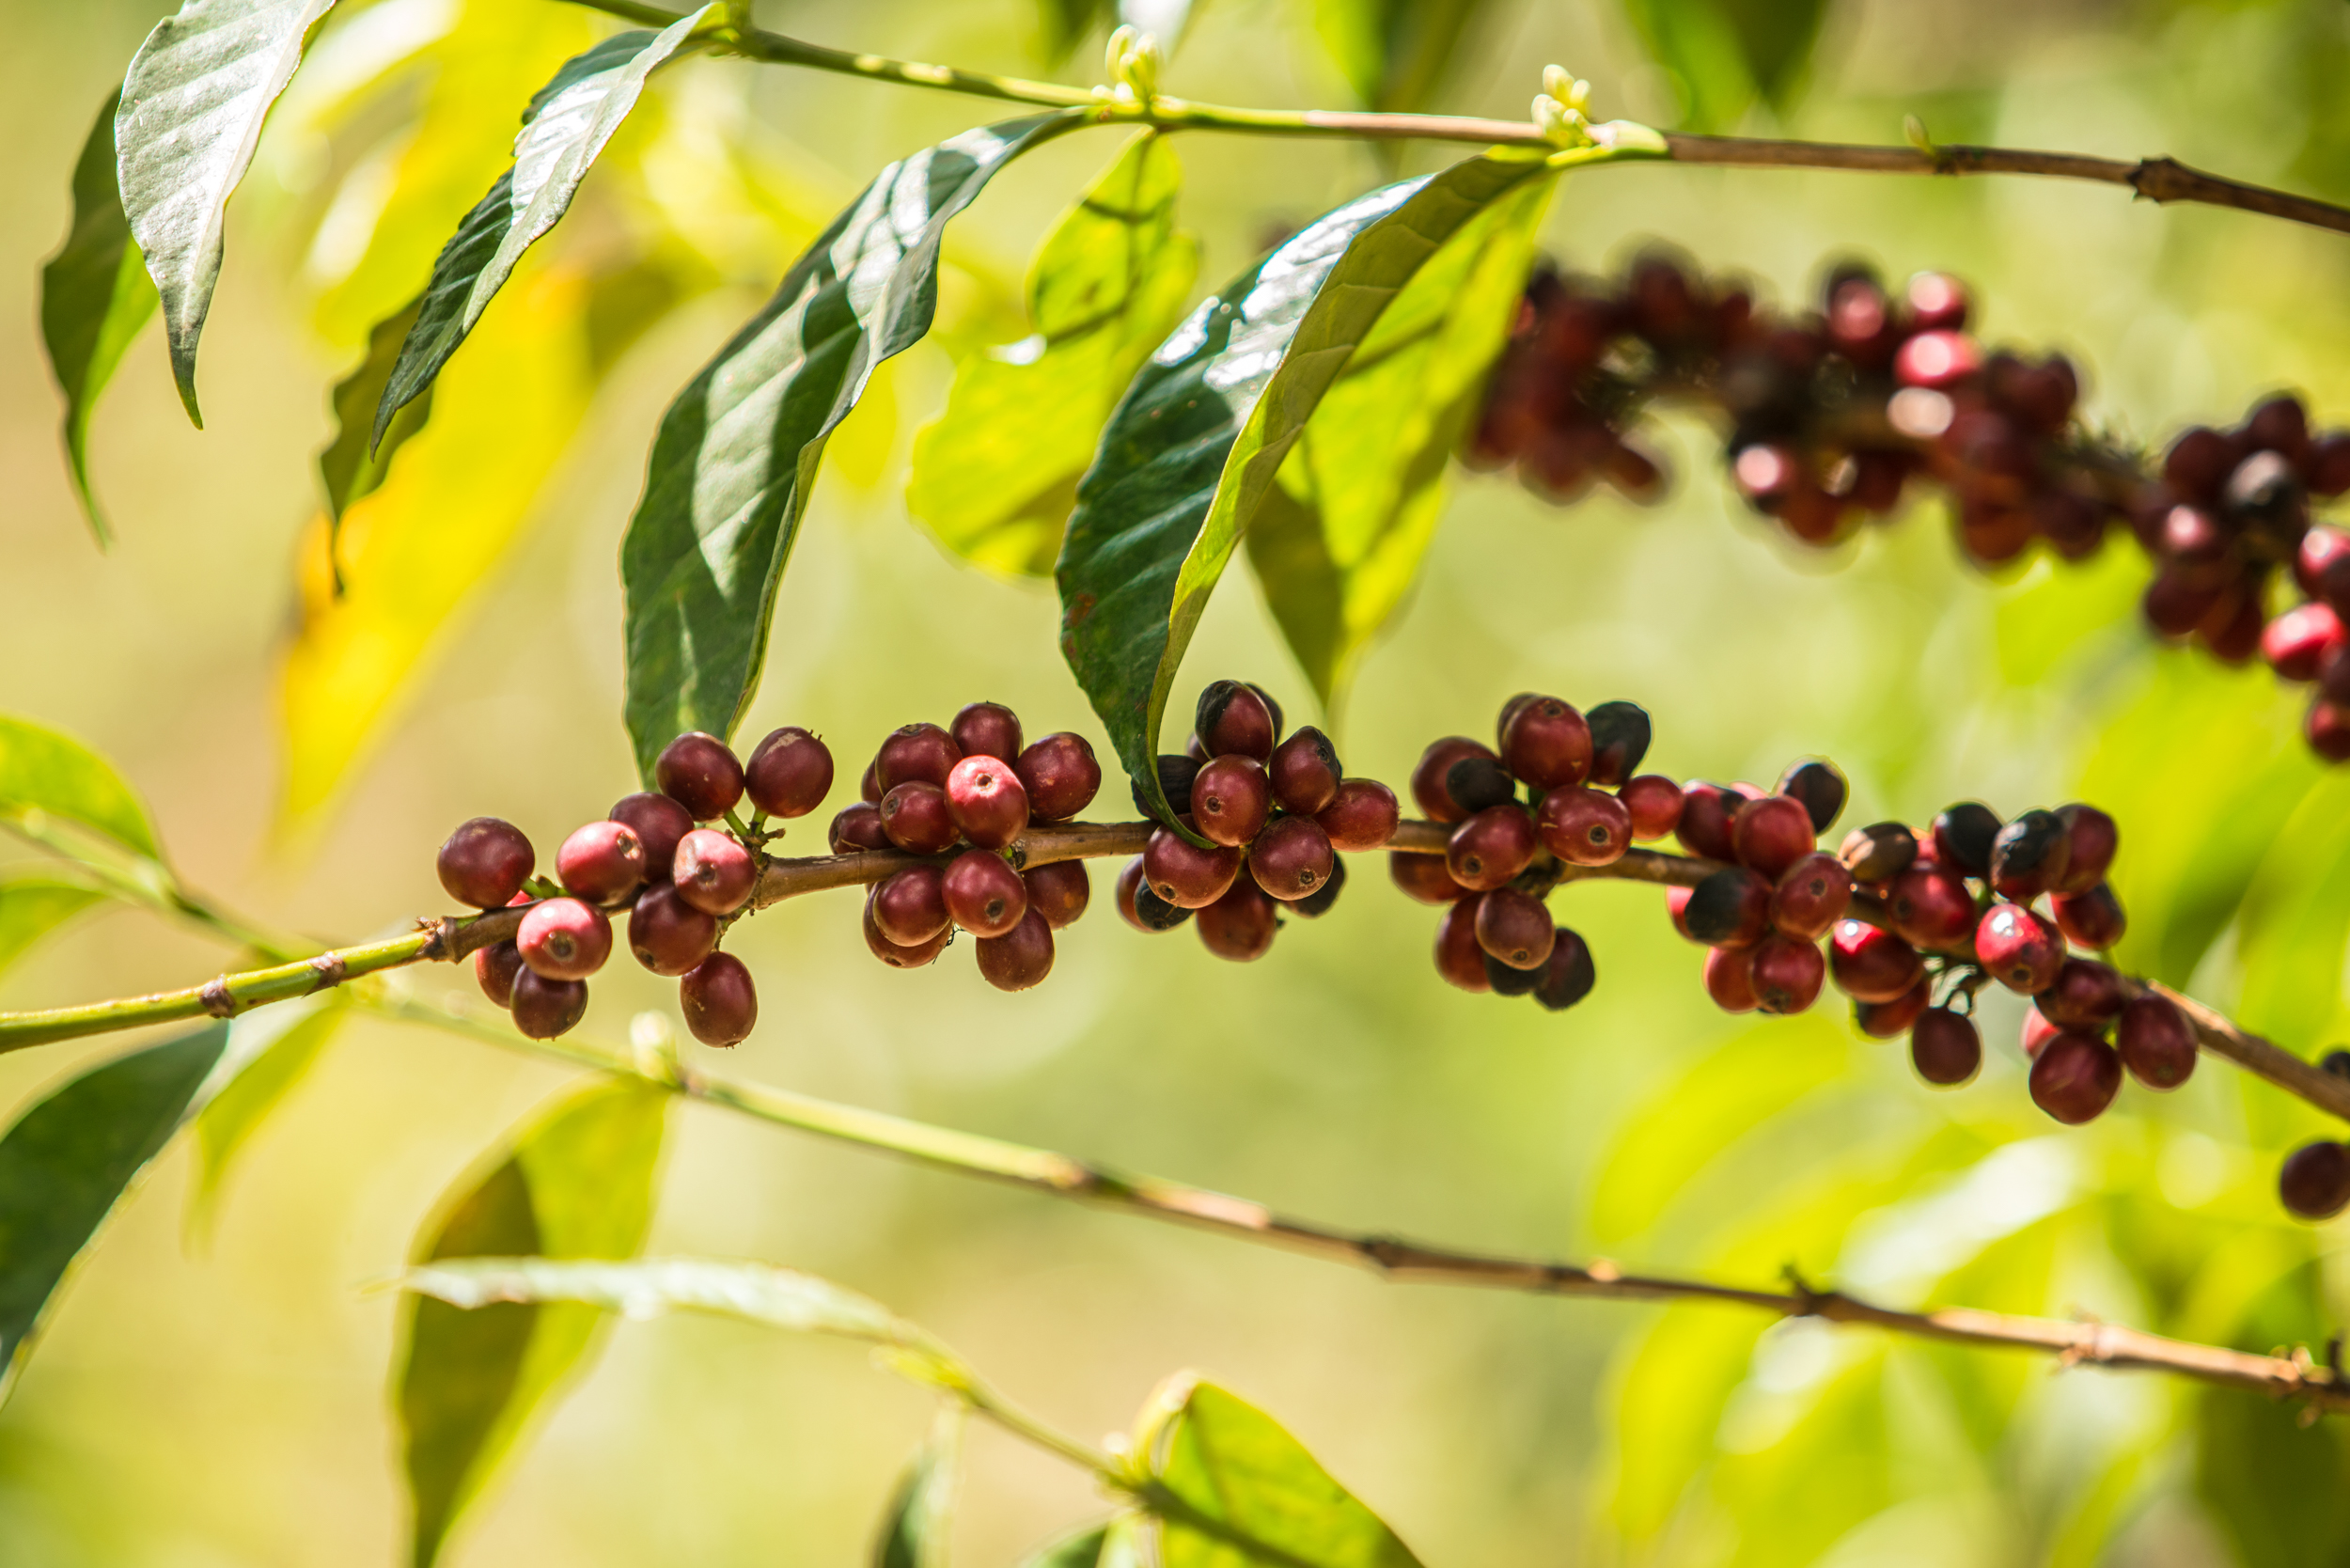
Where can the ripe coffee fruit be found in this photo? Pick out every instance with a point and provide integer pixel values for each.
(1502, 980)
(1458, 959)
(1620, 737)
(720, 1003)
(789, 773)
(494, 967)
(1584, 827)
(2022, 950)
(1654, 803)
(2030, 857)
(1547, 744)
(1317, 903)
(2091, 839)
(1771, 833)
(1059, 891)
(697, 771)
(1730, 979)
(658, 823)
(1730, 908)
(987, 730)
(915, 754)
(1233, 719)
(1020, 958)
(1819, 787)
(1240, 925)
(1963, 837)
(2315, 1180)
(1929, 907)
(1423, 877)
(1787, 974)
(1885, 1020)
(1428, 777)
(1870, 965)
(909, 906)
(1230, 799)
(669, 936)
(986, 801)
(2074, 1077)
(2157, 1042)
(1810, 896)
(1568, 974)
(858, 827)
(1704, 826)
(916, 818)
(1474, 783)
(1292, 859)
(1184, 874)
(895, 956)
(1491, 847)
(1945, 1047)
(1304, 772)
(1060, 774)
(2085, 996)
(713, 872)
(1362, 816)
(563, 939)
(485, 862)
(544, 1007)
(2037, 1031)
(1879, 852)
(602, 862)
(983, 893)
(1175, 774)
(1141, 908)
(2090, 919)
(1514, 927)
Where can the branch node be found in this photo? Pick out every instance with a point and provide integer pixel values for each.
(436, 946)
(1809, 1303)
(218, 1001)
(2161, 179)
(1384, 1253)
(331, 971)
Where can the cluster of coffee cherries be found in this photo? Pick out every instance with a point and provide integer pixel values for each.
(1583, 804)
(682, 884)
(1247, 798)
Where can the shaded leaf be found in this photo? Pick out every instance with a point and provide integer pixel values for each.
(1394, 52)
(577, 1183)
(1063, 24)
(351, 467)
(34, 905)
(566, 125)
(1362, 490)
(272, 1051)
(1193, 448)
(736, 453)
(41, 769)
(192, 109)
(95, 295)
(915, 1527)
(995, 475)
(65, 1162)
(1721, 55)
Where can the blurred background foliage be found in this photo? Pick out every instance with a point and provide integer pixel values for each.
(223, 1400)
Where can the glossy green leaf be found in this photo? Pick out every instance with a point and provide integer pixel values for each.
(778, 1297)
(737, 451)
(1360, 493)
(1394, 52)
(1239, 1490)
(920, 1516)
(352, 467)
(270, 1051)
(1193, 448)
(43, 770)
(33, 905)
(68, 1160)
(577, 1183)
(95, 295)
(1722, 54)
(567, 124)
(192, 109)
(995, 475)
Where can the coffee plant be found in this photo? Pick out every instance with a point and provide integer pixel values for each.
(1311, 411)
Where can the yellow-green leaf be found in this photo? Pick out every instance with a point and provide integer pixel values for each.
(273, 1050)
(915, 1528)
(33, 905)
(45, 770)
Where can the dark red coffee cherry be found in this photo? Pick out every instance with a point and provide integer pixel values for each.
(986, 802)
(1184, 874)
(1477, 783)
(987, 730)
(1819, 787)
(1888, 1020)
(2091, 920)
(1705, 812)
(1513, 928)
(2030, 857)
(1872, 966)
(2315, 1180)
(1963, 836)
(895, 956)
(1568, 974)
(915, 754)
(2322, 566)
(669, 936)
(1654, 803)
(1730, 979)
(2022, 950)
(1584, 827)
(485, 863)
(494, 967)
(720, 1003)
(1771, 833)
(1059, 890)
(1620, 737)
(2337, 1063)
(1141, 908)
(1362, 817)
(1428, 777)
(868, 786)
(1458, 959)
(1547, 744)
(602, 862)
(713, 872)
(2091, 839)
(543, 1007)
(858, 827)
(1811, 897)
(1060, 775)
(1878, 854)
(658, 823)
(1239, 926)
(789, 773)
(2085, 996)
(1423, 877)
(1510, 711)
(1314, 905)
(1945, 1047)
(564, 939)
(1730, 908)
(983, 893)
(1787, 974)
(1304, 772)
(1175, 776)
(1491, 847)
(1235, 719)
(2157, 1042)
(909, 906)
(1019, 959)
(1502, 980)
(916, 818)
(697, 771)
(1937, 302)
(2074, 1077)
(1230, 799)
(1291, 859)
(1929, 907)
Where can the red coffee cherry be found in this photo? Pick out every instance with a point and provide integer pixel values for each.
(1428, 777)
(986, 801)
(869, 784)
(2157, 1042)
(1654, 803)
(1730, 979)
(1945, 1048)
(1872, 966)
(1510, 711)
(1306, 771)
(987, 730)
(1937, 302)
(2037, 1031)
(602, 862)
(1141, 908)
(1184, 874)
(1514, 929)
(720, 1003)
(2327, 727)
(858, 827)
(1502, 980)
(2074, 1077)
(1292, 859)
(2031, 856)
(1235, 719)
(1019, 959)
(1936, 360)
(1569, 974)
(2091, 839)
(1963, 836)
(1475, 783)
(1423, 877)
(1547, 744)
(1361, 817)
(669, 936)
(1771, 833)
(917, 819)
(564, 939)
(1620, 738)
(1059, 890)
(1929, 907)
(1730, 908)
(712, 872)
(1818, 786)
(1458, 959)
(2315, 1180)
(1239, 926)
(494, 967)
(543, 1007)
(1811, 897)
(1886, 1020)
(1491, 847)
(1705, 812)
(1060, 775)
(895, 956)
(1584, 827)
(658, 823)
(2086, 995)
(915, 754)
(788, 773)
(1230, 799)
(697, 771)
(2300, 642)
(2022, 950)
(1787, 974)
(2091, 920)
(485, 862)
(983, 893)
(2322, 566)
(909, 906)
(1321, 900)
(1878, 854)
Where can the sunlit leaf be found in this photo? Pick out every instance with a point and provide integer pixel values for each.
(1666, 1401)
(737, 450)
(1394, 52)
(271, 1050)
(995, 476)
(33, 905)
(191, 114)
(41, 769)
(350, 468)
(95, 295)
(1794, 1497)
(778, 1297)
(920, 1516)
(1721, 55)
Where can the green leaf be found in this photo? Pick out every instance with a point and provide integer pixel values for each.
(1237, 1489)
(352, 467)
(1117, 1543)
(995, 476)
(2293, 926)
(95, 295)
(731, 466)
(34, 905)
(566, 125)
(1192, 448)
(41, 769)
(914, 1529)
(271, 1052)
(191, 115)
(1359, 497)
(1063, 24)
(577, 1183)
(1721, 55)
(2279, 1490)
(1394, 52)
(778, 1297)
(69, 1159)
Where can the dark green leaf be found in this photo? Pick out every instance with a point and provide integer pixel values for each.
(920, 1516)
(1721, 55)
(95, 295)
(42, 771)
(351, 467)
(34, 905)
(2279, 1490)
(564, 128)
(1117, 1543)
(68, 1160)
(271, 1052)
(1394, 52)
(192, 109)
(738, 450)
(995, 475)
(1193, 448)
(1063, 24)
